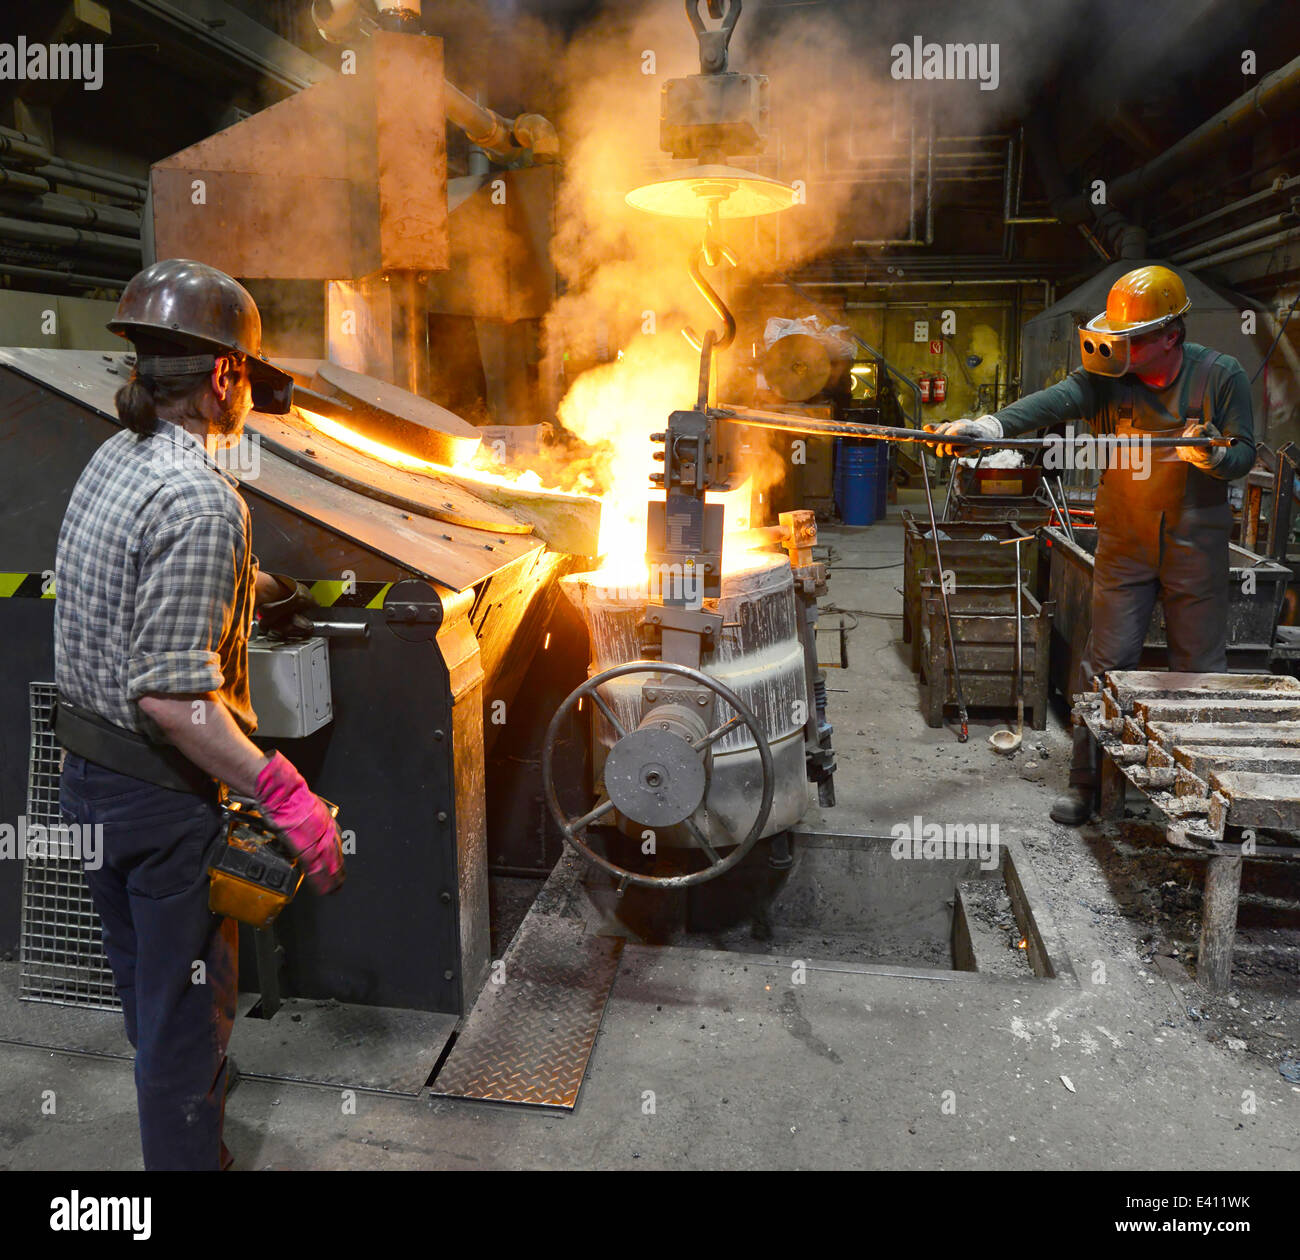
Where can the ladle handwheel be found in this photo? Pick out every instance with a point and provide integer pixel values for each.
(573, 827)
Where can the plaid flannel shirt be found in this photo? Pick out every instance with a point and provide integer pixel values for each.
(154, 580)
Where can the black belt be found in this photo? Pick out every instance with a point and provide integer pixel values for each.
(88, 735)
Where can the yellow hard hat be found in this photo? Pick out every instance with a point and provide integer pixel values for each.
(1141, 301)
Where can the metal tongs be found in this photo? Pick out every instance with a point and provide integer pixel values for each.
(1006, 741)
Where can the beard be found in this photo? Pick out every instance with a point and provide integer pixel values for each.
(231, 410)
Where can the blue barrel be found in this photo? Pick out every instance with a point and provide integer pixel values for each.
(859, 485)
(882, 480)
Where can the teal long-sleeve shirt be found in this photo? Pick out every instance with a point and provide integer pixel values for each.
(1097, 399)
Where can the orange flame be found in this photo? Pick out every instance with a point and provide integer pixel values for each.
(614, 408)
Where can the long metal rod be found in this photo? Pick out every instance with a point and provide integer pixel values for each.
(843, 428)
(964, 733)
(1056, 508)
(1063, 509)
(1011, 746)
(1020, 649)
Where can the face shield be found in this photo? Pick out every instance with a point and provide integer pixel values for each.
(1107, 352)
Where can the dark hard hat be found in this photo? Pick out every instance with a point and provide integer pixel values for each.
(199, 307)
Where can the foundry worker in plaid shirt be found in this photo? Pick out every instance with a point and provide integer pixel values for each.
(155, 585)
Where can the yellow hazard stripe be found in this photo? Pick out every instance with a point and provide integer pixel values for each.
(326, 592)
(27, 585)
(329, 592)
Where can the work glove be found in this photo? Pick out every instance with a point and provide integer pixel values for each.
(1202, 457)
(984, 427)
(304, 822)
(283, 618)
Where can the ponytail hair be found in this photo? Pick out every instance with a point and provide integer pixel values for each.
(139, 399)
(135, 406)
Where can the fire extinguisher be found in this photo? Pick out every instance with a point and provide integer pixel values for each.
(923, 384)
(938, 389)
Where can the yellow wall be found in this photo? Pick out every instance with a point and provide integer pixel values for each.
(983, 328)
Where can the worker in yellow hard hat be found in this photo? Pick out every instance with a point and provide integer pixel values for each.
(1163, 518)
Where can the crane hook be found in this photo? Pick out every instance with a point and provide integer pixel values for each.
(711, 296)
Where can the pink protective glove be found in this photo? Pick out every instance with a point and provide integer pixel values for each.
(304, 821)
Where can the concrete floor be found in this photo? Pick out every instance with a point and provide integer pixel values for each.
(710, 1060)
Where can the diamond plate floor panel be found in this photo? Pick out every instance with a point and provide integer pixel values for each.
(528, 1039)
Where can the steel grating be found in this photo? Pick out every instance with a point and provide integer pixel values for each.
(529, 1038)
(61, 946)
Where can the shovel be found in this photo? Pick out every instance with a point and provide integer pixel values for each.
(1006, 741)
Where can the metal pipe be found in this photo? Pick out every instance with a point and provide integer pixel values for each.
(964, 734)
(1273, 98)
(1281, 186)
(243, 39)
(1257, 246)
(1273, 327)
(52, 208)
(1006, 203)
(139, 186)
(56, 234)
(503, 136)
(940, 178)
(899, 169)
(1009, 741)
(73, 279)
(911, 189)
(929, 179)
(936, 283)
(1020, 168)
(897, 159)
(22, 152)
(21, 145)
(911, 176)
(22, 182)
(28, 137)
(959, 304)
(342, 629)
(1216, 243)
(1063, 511)
(58, 174)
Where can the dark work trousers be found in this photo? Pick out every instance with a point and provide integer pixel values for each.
(1180, 556)
(151, 891)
